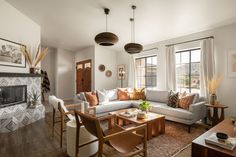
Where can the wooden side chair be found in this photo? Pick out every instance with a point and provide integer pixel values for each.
(66, 114)
(115, 137)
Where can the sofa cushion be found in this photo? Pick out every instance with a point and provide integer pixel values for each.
(173, 99)
(81, 96)
(112, 94)
(157, 95)
(139, 94)
(186, 101)
(123, 94)
(91, 98)
(102, 97)
(162, 108)
(112, 106)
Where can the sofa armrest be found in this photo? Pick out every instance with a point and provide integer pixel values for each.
(197, 107)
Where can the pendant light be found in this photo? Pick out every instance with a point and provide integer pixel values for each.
(133, 47)
(106, 38)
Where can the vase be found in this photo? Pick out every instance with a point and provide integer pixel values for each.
(33, 70)
(213, 99)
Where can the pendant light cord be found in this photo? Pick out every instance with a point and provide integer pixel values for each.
(133, 26)
(106, 22)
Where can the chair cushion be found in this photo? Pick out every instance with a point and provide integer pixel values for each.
(91, 98)
(162, 108)
(157, 95)
(112, 106)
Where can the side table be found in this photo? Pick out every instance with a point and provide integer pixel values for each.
(215, 119)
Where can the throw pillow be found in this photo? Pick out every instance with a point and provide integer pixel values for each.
(112, 94)
(123, 94)
(102, 97)
(182, 94)
(139, 94)
(91, 98)
(186, 101)
(173, 100)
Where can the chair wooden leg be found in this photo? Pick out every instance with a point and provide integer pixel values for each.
(62, 127)
(53, 121)
(100, 147)
(145, 143)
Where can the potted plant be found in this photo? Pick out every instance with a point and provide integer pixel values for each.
(33, 59)
(145, 106)
(33, 99)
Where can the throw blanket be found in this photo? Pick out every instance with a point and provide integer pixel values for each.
(46, 83)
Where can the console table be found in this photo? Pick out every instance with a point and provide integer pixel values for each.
(202, 149)
(215, 119)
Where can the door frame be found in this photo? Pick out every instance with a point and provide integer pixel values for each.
(82, 62)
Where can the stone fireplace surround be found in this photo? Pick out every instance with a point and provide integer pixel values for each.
(13, 117)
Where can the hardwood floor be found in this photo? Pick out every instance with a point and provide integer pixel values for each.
(34, 140)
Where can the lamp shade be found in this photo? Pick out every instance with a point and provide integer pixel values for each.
(133, 48)
(106, 39)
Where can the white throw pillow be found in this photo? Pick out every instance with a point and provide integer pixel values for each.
(112, 94)
(102, 97)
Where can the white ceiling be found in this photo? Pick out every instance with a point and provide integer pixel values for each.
(73, 24)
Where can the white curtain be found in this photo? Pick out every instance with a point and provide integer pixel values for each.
(207, 67)
(170, 68)
(132, 72)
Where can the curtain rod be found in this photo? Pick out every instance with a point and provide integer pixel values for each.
(189, 41)
(150, 49)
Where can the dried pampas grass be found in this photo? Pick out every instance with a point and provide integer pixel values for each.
(38, 57)
(213, 84)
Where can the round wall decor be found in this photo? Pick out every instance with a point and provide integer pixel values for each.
(108, 73)
(102, 67)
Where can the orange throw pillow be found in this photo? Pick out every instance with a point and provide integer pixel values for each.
(139, 94)
(186, 101)
(91, 98)
(123, 94)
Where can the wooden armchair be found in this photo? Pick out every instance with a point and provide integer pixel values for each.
(66, 109)
(115, 137)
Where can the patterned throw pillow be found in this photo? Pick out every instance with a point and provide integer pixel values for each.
(139, 94)
(91, 98)
(186, 101)
(173, 99)
(123, 94)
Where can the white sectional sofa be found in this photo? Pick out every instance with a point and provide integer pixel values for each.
(158, 100)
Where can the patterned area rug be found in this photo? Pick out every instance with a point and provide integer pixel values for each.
(169, 144)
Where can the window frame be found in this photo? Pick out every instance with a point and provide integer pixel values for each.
(190, 65)
(145, 67)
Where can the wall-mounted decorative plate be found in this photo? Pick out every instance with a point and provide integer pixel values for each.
(102, 67)
(108, 73)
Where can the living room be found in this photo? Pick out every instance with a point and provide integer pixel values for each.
(167, 67)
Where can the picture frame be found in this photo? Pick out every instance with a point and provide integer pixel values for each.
(121, 72)
(10, 54)
(231, 63)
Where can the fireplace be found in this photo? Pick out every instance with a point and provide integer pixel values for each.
(12, 95)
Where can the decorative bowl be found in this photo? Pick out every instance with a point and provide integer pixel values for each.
(221, 136)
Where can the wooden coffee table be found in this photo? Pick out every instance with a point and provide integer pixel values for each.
(155, 122)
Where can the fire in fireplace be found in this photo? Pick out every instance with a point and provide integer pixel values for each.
(12, 95)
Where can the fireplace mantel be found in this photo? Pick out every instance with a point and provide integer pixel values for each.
(3, 74)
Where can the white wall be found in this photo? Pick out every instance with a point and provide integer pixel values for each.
(107, 57)
(48, 65)
(17, 27)
(224, 39)
(65, 74)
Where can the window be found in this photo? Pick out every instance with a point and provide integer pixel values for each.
(188, 70)
(146, 71)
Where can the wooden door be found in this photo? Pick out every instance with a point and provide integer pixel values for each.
(83, 76)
